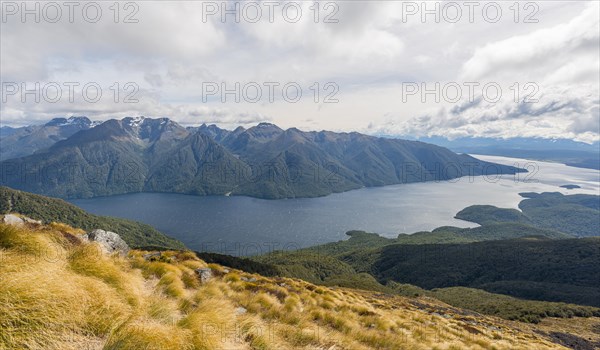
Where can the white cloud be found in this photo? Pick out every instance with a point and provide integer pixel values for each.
(560, 113)
(368, 53)
(540, 52)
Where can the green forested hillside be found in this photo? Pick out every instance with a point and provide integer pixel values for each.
(446, 234)
(553, 270)
(578, 214)
(50, 209)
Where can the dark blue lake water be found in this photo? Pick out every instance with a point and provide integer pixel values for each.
(247, 226)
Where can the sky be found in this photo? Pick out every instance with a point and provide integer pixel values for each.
(453, 69)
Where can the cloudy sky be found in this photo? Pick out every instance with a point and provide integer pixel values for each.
(370, 63)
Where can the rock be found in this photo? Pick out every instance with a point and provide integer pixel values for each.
(109, 241)
(205, 274)
(11, 219)
(240, 311)
(246, 279)
(225, 270)
(31, 221)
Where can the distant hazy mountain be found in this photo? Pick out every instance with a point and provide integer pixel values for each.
(19, 142)
(159, 155)
(7, 130)
(569, 152)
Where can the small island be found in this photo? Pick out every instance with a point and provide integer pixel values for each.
(570, 187)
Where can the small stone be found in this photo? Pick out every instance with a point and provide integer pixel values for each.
(240, 311)
(225, 270)
(205, 274)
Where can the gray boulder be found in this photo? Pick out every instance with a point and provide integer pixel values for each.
(14, 220)
(110, 242)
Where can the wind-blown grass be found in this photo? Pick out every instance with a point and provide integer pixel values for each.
(78, 298)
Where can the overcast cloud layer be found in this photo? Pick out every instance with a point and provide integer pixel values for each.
(548, 70)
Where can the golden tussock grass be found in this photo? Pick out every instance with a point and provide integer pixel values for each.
(59, 293)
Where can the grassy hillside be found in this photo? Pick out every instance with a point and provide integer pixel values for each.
(506, 258)
(330, 271)
(244, 264)
(508, 307)
(50, 209)
(85, 299)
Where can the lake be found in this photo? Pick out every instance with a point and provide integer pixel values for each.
(245, 226)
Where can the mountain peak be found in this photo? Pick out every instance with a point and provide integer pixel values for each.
(79, 121)
(213, 131)
(264, 131)
(267, 125)
(134, 121)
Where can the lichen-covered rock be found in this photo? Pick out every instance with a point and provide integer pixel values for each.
(205, 274)
(109, 241)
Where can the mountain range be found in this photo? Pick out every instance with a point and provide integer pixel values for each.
(23, 141)
(569, 152)
(159, 155)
